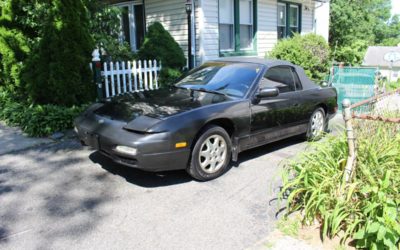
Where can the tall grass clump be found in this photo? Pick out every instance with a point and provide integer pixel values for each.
(366, 209)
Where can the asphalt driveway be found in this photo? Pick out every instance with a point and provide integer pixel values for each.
(64, 196)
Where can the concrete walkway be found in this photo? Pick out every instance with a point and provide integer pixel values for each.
(12, 139)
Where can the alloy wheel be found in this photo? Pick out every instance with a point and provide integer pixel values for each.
(317, 124)
(213, 154)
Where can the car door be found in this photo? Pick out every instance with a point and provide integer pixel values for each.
(273, 117)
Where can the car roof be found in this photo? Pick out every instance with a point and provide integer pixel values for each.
(305, 81)
(258, 60)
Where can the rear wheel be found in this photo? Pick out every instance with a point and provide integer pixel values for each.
(316, 125)
(211, 154)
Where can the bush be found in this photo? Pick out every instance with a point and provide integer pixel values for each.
(37, 120)
(160, 45)
(58, 71)
(309, 51)
(367, 209)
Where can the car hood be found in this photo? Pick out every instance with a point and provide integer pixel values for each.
(149, 107)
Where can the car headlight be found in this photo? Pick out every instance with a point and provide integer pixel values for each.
(126, 150)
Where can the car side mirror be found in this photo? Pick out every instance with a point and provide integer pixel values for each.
(267, 92)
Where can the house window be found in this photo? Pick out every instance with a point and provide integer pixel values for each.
(226, 24)
(289, 19)
(236, 26)
(132, 24)
(246, 24)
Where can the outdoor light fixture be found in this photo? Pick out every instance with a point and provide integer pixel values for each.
(188, 7)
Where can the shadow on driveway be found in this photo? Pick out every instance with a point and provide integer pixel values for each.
(159, 179)
(48, 195)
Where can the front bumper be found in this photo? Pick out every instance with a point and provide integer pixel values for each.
(155, 152)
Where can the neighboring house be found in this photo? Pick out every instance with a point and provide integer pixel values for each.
(375, 57)
(223, 28)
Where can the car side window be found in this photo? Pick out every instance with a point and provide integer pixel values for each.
(297, 80)
(280, 77)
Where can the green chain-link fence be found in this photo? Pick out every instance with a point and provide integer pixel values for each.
(353, 83)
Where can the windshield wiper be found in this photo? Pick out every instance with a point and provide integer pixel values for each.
(202, 90)
(210, 91)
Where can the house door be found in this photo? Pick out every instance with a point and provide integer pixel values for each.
(132, 24)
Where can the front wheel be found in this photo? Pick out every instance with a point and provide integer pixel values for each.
(211, 154)
(316, 125)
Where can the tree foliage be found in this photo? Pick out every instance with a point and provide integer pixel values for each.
(45, 49)
(356, 22)
(20, 22)
(57, 71)
(309, 51)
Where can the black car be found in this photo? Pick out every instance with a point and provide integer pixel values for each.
(209, 116)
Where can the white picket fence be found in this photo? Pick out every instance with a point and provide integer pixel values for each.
(123, 77)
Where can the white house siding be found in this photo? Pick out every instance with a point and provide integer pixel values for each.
(207, 30)
(172, 14)
(267, 35)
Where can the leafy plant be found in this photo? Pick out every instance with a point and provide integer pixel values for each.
(309, 51)
(37, 120)
(367, 209)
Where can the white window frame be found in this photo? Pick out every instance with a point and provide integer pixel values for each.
(285, 19)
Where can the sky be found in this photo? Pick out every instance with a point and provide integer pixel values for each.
(395, 6)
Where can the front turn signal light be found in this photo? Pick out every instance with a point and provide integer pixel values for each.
(181, 145)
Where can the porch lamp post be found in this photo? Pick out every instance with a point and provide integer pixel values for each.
(188, 6)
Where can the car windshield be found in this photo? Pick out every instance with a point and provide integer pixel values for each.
(232, 79)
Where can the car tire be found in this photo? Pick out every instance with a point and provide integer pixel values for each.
(211, 154)
(316, 125)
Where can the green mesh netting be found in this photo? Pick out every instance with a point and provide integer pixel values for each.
(356, 84)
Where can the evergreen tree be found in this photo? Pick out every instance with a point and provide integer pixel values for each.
(58, 71)
(18, 34)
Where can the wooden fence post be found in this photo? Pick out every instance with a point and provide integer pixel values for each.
(351, 160)
(96, 67)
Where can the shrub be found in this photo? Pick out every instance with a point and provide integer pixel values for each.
(367, 209)
(37, 120)
(58, 71)
(309, 51)
(160, 45)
